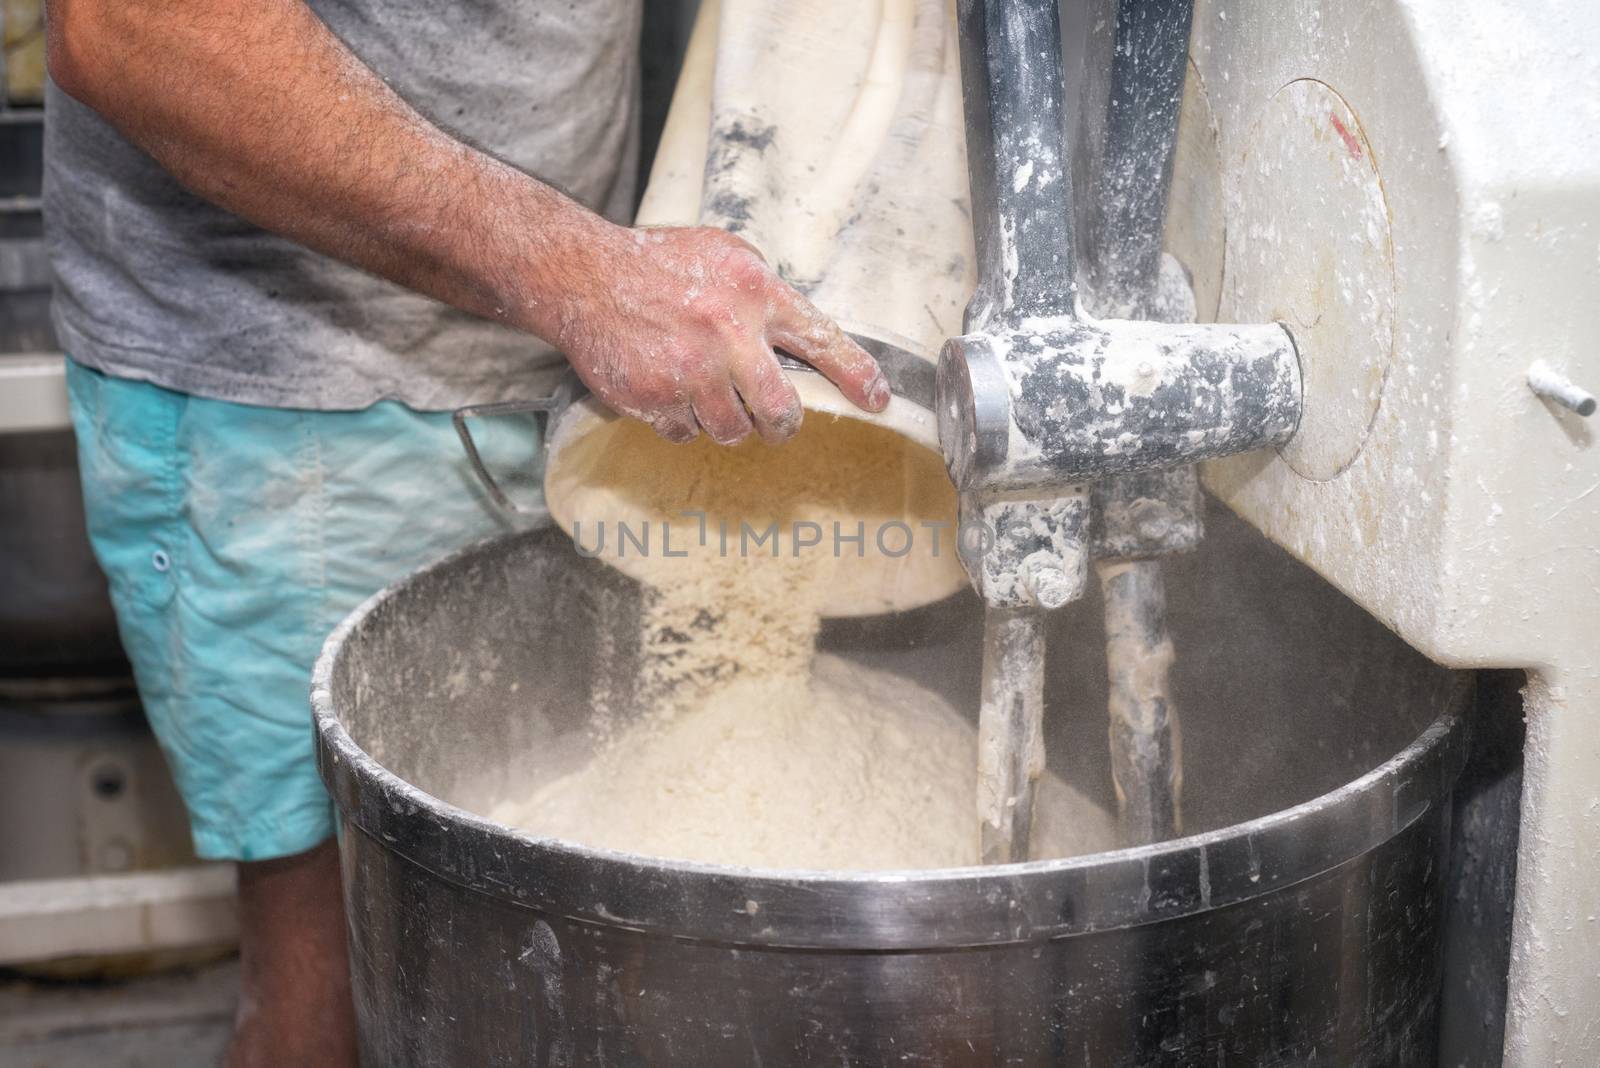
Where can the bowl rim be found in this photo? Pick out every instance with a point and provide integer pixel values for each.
(883, 910)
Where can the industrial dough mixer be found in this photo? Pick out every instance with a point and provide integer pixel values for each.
(1407, 245)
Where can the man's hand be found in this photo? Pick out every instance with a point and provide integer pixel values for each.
(682, 331)
(256, 106)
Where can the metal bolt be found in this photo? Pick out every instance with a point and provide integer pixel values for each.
(1552, 385)
(1047, 583)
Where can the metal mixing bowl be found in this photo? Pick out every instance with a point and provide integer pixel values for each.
(1297, 924)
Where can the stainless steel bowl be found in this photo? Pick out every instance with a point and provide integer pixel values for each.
(1300, 926)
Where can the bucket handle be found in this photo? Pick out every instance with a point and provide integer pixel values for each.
(459, 417)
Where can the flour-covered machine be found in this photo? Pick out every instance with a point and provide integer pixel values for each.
(1337, 263)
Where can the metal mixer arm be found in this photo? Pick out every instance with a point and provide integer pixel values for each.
(1037, 400)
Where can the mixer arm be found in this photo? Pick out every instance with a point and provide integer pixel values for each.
(1036, 400)
(1138, 518)
(1033, 552)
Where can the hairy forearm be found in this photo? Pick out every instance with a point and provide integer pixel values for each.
(256, 106)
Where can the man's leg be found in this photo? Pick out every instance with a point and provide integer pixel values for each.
(294, 997)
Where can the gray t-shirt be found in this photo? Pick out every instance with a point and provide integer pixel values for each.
(153, 283)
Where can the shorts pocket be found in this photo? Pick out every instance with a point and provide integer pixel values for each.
(126, 459)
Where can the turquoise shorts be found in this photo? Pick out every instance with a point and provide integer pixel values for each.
(235, 538)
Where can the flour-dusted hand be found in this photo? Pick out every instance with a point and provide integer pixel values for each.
(680, 331)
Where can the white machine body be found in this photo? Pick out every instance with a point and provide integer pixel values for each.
(1414, 188)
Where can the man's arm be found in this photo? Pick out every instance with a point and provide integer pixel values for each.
(256, 106)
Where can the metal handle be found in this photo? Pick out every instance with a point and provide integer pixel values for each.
(459, 418)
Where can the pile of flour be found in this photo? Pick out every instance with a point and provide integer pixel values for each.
(752, 749)
(852, 769)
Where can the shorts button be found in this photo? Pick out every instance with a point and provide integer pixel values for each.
(160, 561)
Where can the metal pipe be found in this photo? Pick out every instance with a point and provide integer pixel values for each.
(1059, 401)
(1128, 210)
(1013, 95)
(1010, 731)
(1146, 744)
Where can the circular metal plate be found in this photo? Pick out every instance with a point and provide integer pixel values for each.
(1309, 245)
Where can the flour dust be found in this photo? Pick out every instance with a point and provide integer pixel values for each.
(755, 750)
